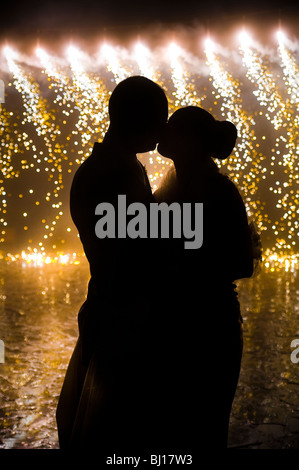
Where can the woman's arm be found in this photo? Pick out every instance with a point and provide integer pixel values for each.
(168, 188)
(237, 237)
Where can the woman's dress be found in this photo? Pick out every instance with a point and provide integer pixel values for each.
(210, 310)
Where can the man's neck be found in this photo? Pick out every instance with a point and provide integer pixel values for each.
(118, 146)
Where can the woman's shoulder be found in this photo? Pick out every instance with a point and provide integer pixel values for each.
(225, 198)
(168, 187)
(227, 188)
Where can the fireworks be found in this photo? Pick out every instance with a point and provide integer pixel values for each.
(245, 167)
(142, 55)
(53, 113)
(113, 64)
(185, 93)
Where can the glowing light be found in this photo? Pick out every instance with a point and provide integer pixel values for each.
(277, 261)
(142, 56)
(74, 55)
(36, 258)
(52, 132)
(290, 69)
(185, 92)
(209, 46)
(9, 53)
(113, 63)
(281, 37)
(266, 93)
(245, 39)
(245, 165)
(174, 51)
(49, 66)
(281, 114)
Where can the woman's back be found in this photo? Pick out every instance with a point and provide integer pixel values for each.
(210, 329)
(226, 253)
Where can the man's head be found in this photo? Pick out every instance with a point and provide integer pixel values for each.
(138, 110)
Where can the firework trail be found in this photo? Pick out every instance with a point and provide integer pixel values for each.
(245, 165)
(113, 63)
(284, 184)
(74, 112)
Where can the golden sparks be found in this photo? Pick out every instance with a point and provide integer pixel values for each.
(49, 133)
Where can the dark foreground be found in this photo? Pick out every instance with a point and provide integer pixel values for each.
(38, 324)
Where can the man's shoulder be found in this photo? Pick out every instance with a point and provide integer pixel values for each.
(98, 177)
(96, 167)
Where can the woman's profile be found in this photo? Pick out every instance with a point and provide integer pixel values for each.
(210, 311)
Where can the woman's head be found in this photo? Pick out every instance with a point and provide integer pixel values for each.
(192, 132)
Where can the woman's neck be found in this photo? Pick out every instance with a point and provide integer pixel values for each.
(195, 169)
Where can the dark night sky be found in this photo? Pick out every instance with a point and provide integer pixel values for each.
(22, 17)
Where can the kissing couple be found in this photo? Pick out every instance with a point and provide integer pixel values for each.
(158, 356)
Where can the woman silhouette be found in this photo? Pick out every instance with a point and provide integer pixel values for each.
(210, 320)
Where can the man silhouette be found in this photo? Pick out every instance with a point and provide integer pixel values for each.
(106, 393)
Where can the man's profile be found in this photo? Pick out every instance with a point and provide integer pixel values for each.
(107, 396)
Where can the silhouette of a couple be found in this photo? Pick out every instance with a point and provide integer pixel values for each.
(158, 356)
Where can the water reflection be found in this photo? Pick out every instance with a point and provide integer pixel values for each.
(38, 324)
(266, 407)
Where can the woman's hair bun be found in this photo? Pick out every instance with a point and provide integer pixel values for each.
(218, 138)
(224, 139)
